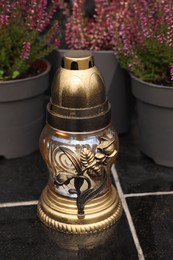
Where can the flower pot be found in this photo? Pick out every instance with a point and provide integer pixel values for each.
(155, 120)
(21, 113)
(117, 83)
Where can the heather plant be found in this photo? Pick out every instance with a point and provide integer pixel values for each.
(27, 32)
(143, 39)
(91, 31)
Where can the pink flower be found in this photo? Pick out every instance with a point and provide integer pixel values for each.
(4, 19)
(56, 42)
(54, 31)
(171, 72)
(26, 46)
(94, 33)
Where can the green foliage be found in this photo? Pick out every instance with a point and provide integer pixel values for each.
(27, 33)
(149, 63)
(144, 39)
(12, 65)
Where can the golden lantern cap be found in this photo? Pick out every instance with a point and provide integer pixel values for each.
(78, 98)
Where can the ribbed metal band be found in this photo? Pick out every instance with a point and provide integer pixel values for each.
(79, 123)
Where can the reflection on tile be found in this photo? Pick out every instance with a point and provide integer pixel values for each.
(23, 178)
(152, 217)
(23, 236)
(137, 172)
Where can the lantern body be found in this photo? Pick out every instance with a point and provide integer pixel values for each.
(79, 147)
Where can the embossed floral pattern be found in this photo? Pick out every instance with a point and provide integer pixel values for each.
(84, 170)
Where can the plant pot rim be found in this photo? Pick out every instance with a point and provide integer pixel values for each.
(151, 93)
(149, 83)
(48, 67)
(19, 89)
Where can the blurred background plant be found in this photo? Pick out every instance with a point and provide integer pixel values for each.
(143, 39)
(28, 31)
(89, 23)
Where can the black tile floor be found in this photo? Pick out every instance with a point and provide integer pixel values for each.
(145, 230)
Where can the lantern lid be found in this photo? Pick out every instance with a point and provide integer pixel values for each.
(78, 98)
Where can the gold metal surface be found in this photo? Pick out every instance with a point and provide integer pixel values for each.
(59, 212)
(78, 100)
(79, 147)
(78, 60)
(73, 243)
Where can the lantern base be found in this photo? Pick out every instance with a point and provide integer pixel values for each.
(60, 213)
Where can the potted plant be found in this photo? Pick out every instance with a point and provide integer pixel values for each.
(87, 28)
(27, 34)
(144, 46)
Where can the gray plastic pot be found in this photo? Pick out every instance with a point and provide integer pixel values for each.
(117, 83)
(22, 113)
(155, 120)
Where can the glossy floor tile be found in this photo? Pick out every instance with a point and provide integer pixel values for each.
(152, 217)
(22, 236)
(22, 179)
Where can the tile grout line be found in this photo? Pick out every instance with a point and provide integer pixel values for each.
(18, 204)
(128, 195)
(127, 212)
(157, 193)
